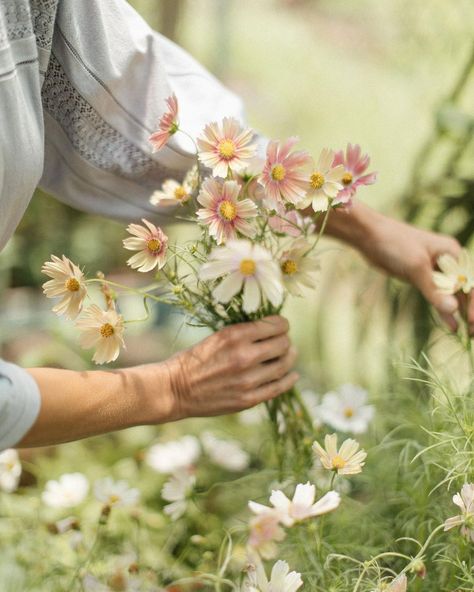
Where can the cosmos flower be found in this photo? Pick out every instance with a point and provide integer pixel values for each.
(115, 493)
(325, 182)
(281, 578)
(348, 460)
(171, 194)
(301, 507)
(10, 470)
(227, 454)
(168, 125)
(355, 164)
(299, 267)
(284, 175)
(226, 147)
(150, 242)
(177, 491)
(265, 531)
(173, 456)
(67, 283)
(245, 266)
(223, 212)
(455, 275)
(68, 491)
(465, 501)
(103, 330)
(345, 409)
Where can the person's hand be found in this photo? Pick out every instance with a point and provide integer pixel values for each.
(411, 254)
(236, 368)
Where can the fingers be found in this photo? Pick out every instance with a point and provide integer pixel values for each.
(271, 390)
(269, 372)
(269, 349)
(260, 330)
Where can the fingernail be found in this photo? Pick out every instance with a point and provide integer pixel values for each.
(448, 305)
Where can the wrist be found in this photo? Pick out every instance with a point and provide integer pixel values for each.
(358, 226)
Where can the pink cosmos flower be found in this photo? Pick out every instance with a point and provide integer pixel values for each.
(226, 147)
(168, 125)
(283, 175)
(291, 223)
(223, 212)
(355, 164)
(151, 242)
(265, 530)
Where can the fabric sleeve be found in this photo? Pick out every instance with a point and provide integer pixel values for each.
(103, 95)
(19, 404)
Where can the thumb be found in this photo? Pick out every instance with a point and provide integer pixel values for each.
(445, 304)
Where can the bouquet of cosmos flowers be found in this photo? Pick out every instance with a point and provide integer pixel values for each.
(260, 221)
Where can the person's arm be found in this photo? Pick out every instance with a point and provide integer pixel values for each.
(401, 250)
(233, 369)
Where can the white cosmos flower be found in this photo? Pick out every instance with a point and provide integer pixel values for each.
(299, 267)
(465, 501)
(68, 491)
(455, 275)
(173, 456)
(67, 283)
(248, 266)
(398, 585)
(150, 242)
(103, 330)
(177, 491)
(115, 493)
(265, 531)
(345, 409)
(281, 578)
(301, 507)
(348, 460)
(325, 182)
(10, 470)
(225, 453)
(171, 194)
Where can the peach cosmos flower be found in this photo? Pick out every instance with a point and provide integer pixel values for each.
(284, 176)
(465, 501)
(348, 460)
(355, 164)
(265, 531)
(299, 267)
(151, 242)
(223, 212)
(171, 194)
(168, 125)
(68, 283)
(324, 183)
(102, 329)
(226, 147)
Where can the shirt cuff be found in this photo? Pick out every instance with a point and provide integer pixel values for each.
(20, 402)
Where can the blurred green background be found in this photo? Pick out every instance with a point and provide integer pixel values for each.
(394, 76)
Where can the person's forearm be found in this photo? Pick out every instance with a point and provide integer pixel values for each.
(76, 405)
(355, 226)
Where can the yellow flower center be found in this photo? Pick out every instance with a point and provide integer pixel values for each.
(338, 462)
(462, 279)
(317, 180)
(153, 245)
(107, 330)
(180, 193)
(247, 267)
(113, 499)
(72, 285)
(289, 267)
(347, 178)
(278, 172)
(226, 149)
(227, 210)
(348, 412)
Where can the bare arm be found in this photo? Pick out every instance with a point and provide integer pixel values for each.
(231, 370)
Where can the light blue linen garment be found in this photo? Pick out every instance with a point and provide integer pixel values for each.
(82, 86)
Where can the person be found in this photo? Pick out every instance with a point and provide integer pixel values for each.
(82, 86)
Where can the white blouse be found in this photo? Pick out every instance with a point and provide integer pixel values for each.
(83, 84)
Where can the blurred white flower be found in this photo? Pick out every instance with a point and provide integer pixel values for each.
(311, 401)
(265, 531)
(115, 493)
(177, 491)
(103, 330)
(348, 460)
(455, 275)
(10, 470)
(68, 283)
(246, 266)
(281, 579)
(253, 416)
(68, 491)
(299, 267)
(225, 453)
(173, 456)
(171, 194)
(465, 501)
(66, 524)
(345, 409)
(301, 507)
